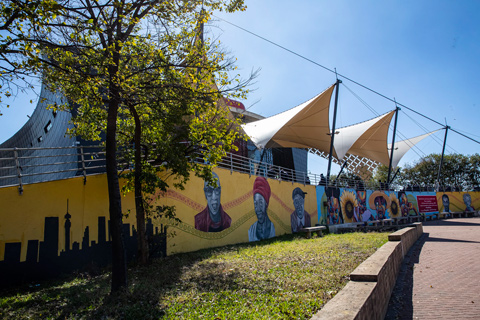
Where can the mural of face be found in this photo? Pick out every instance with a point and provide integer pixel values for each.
(404, 204)
(263, 228)
(446, 203)
(467, 199)
(260, 207)
(380, 207)
(362, 201)
(212, 194)
(299, 203)
(335, 210)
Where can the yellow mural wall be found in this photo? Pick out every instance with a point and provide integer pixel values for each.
(22, 217)
(456, 201)
(237, 202)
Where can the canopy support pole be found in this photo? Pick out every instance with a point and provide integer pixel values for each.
(341, 169)
(443, 153)
(395, 175)
(393, 146)
(330, 155)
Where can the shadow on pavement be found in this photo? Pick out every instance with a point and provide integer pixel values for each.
(401, 302)
(452, 222)
(433, 239)
(400, 305)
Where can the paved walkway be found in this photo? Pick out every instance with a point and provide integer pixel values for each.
(440, 276)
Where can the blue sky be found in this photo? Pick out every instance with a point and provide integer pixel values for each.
(425, 54)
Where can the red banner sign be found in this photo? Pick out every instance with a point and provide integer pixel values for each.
(427, 204)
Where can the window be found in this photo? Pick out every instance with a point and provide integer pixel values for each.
(48, 126)
(40, 139)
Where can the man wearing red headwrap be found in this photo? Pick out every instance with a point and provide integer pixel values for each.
(263, 228)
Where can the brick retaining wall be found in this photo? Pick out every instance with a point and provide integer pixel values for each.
(367, 294)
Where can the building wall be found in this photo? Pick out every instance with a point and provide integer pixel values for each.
(38, 238)
(457, 201)
(237, 203)
(300, 159)
(44, 129)
(346, 205)
(60, 226)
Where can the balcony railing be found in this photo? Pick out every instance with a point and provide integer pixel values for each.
(20, 166)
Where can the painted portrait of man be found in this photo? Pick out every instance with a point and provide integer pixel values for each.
(467, 200)
(380, 207)
(362, 212)
(405, 205)
(212, 218)
(299, 218)
(263, 228)
(446, 203)
(379, 202)
(334, 212)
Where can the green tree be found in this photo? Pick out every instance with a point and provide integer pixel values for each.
(126, 62)
(177, 113)
(381, 175)
(474, 173)
(458, 171)
(19, 21)
(350, 179)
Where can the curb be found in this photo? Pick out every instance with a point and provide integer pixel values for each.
(368, 292)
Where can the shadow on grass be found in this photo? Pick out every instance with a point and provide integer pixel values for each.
(55, 298)
(292, 282)
(152, 285)
(89, 297)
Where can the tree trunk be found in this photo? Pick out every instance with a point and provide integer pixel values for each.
(119, 257)
(142, 244)
(119, 262)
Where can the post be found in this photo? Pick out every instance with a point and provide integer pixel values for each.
(443, 152)
(341, 169)
(19, 171)
(83, 166)
(333, 131)
(395, 175)
(393, 146)
(67, 226)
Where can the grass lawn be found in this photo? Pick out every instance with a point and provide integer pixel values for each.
(288, 277)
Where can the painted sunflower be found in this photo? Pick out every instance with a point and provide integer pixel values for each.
(394, 206)
(348, 202)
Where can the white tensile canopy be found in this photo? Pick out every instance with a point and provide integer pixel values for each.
(307, 126)
(372, 144)
(366, 139)
(401, 147)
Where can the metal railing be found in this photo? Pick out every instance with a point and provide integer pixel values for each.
(20, 166)
(234, 162)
